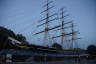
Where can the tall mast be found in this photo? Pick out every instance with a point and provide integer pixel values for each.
(62, 27)
(46, 21)
(74, 38)
(72, 35)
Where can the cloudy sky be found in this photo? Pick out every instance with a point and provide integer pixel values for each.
(22, 16)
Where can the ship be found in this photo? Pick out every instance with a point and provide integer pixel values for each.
(61, 29)
(64, 28)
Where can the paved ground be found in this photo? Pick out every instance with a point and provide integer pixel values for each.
(72, 61)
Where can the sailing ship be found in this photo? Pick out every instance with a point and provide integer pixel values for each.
(35, 52)
(61, 28)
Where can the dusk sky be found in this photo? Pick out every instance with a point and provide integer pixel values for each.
(22, 16)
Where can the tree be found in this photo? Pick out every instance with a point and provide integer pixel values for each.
(5, 33)
(21, 38)
(57, 46)
(91, 49)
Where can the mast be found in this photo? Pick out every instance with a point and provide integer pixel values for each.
(73, 35)
(46, 21)
(66, 25)
(62, 30)
(74, 38)
(63, 27)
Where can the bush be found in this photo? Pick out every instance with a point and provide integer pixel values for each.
(91, 49)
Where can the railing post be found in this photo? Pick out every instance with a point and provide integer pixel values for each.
(8, 58)
(45, 59)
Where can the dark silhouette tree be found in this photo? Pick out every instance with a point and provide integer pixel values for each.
(91, 49)
(5, 43)
(6, 32)
(57, 46)
(22, 39)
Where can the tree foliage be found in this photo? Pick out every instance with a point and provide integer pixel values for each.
(6, 32)
(5, 43)
(21, 38)
(57, 46)
(91, 49)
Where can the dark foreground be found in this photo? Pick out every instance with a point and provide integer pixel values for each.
(65, 61)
